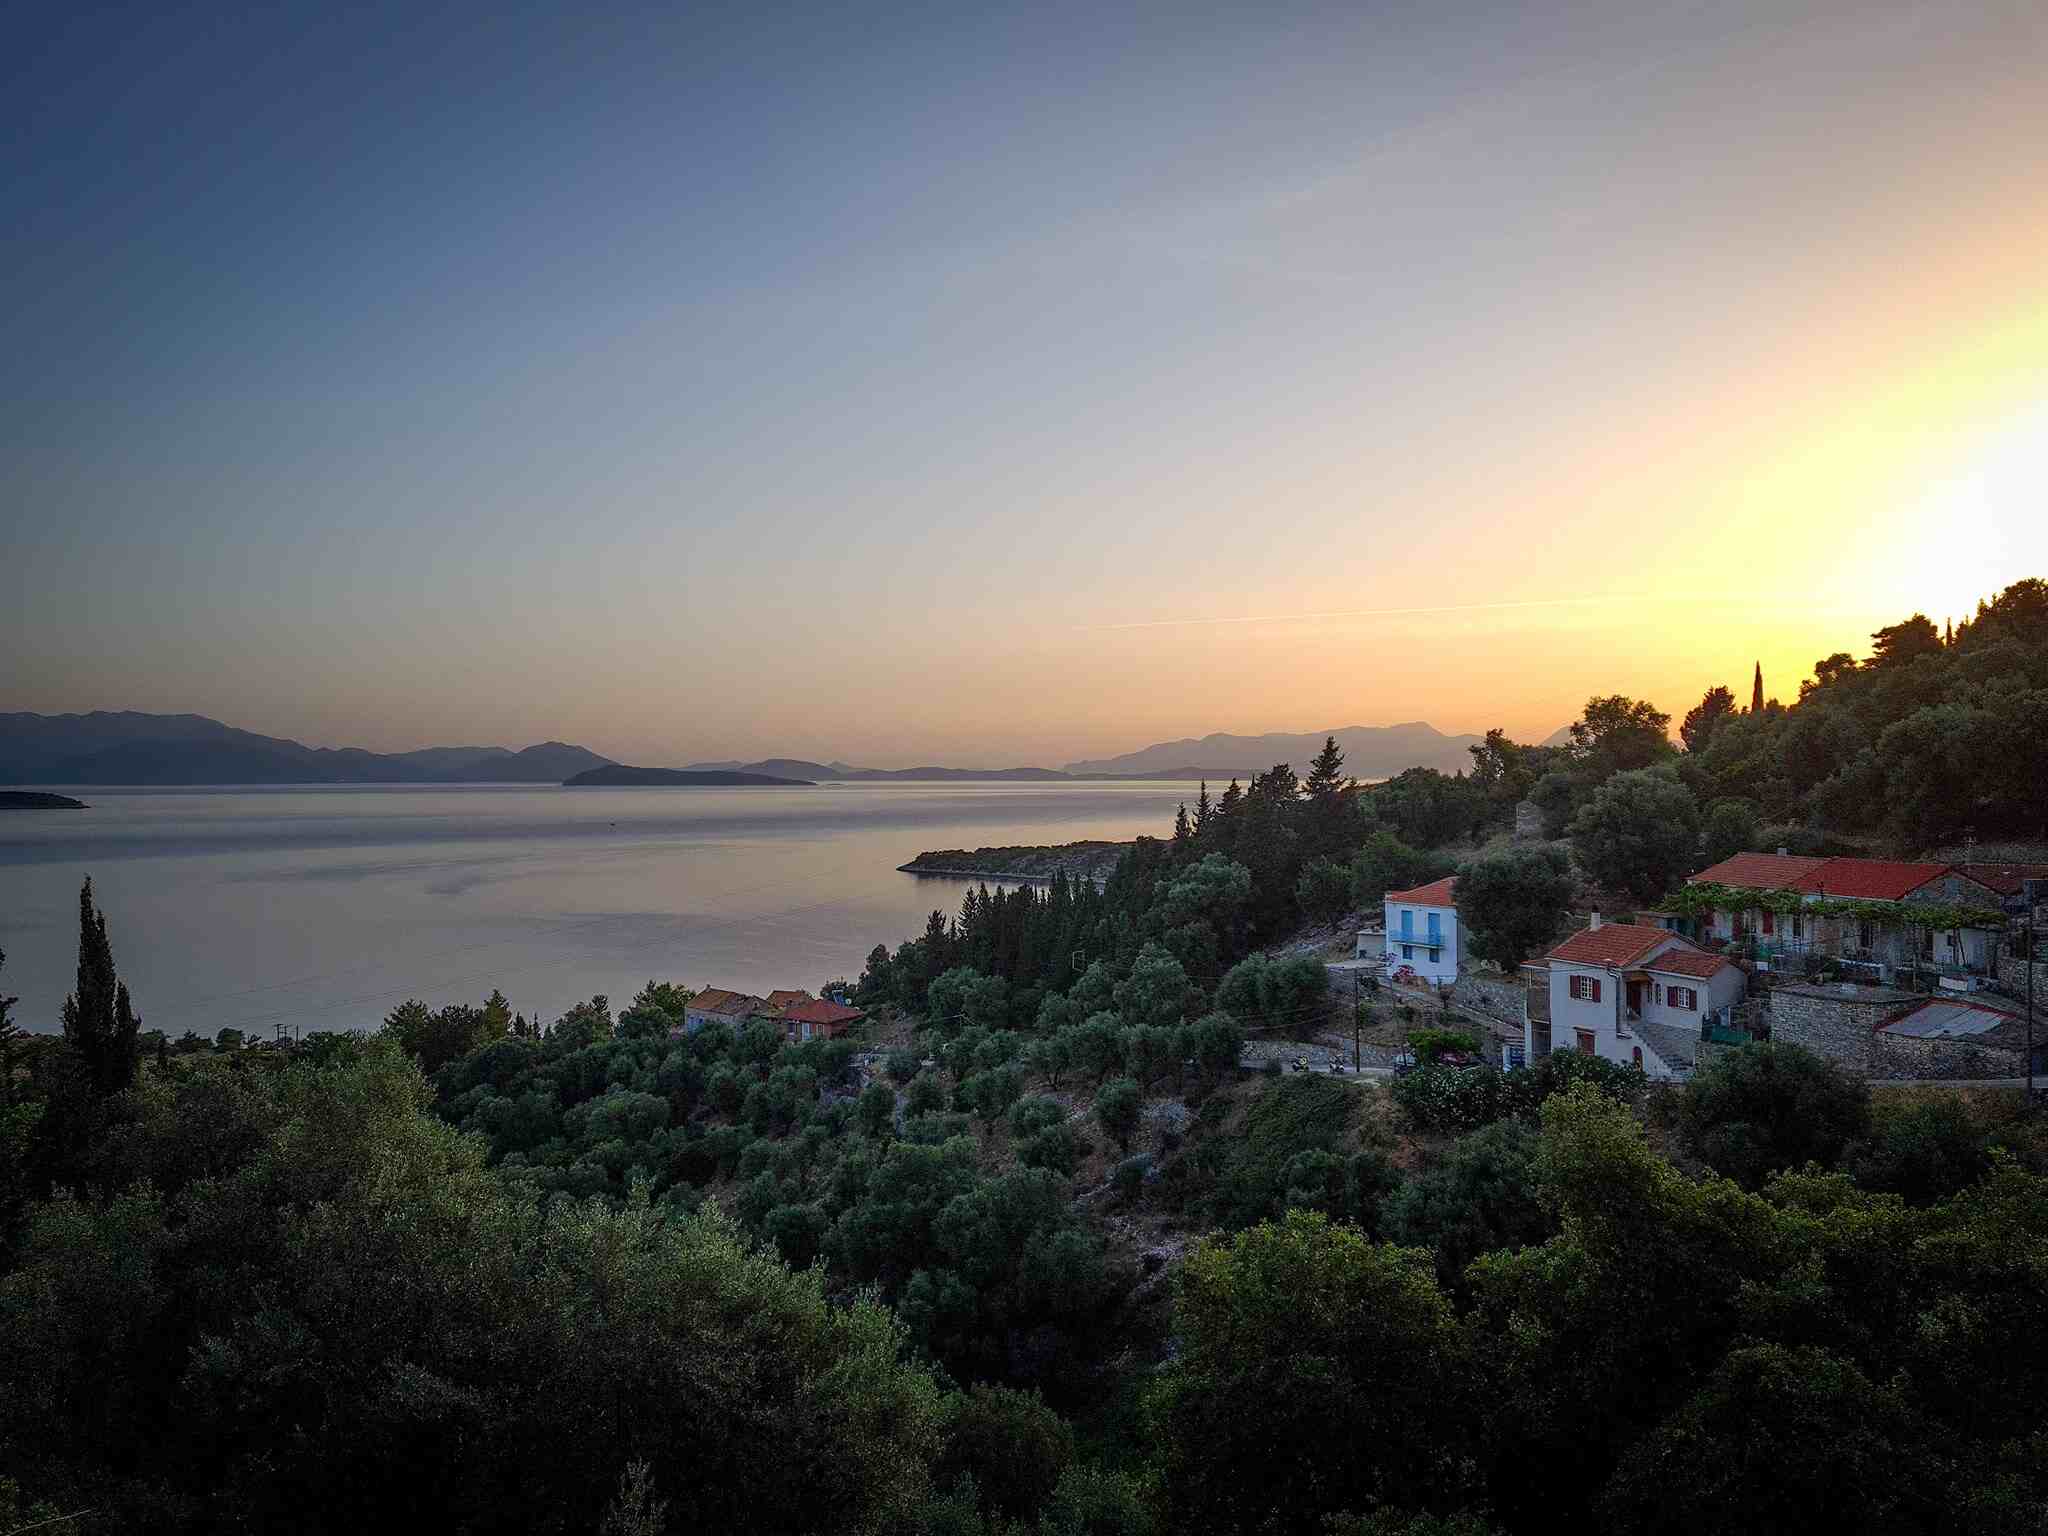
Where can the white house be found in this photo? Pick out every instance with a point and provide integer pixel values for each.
(1631, 994)
(1423, 934)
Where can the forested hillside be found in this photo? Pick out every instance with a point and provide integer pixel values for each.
(1034, 1254)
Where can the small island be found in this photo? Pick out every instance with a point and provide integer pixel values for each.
(1081, 861)
(623, 776)
(36, 800)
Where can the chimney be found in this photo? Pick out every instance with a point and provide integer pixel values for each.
(1783, 851)
(1596, 918)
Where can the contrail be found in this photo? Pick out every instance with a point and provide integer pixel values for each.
(1356, 613)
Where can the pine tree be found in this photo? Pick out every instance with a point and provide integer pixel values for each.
(99, 1020)
(1183, 833)
(1326, 778)
(1203, 812)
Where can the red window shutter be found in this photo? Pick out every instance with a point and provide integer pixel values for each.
(1595, 981)
(1767, 920)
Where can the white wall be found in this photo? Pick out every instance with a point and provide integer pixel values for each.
(1450, 954)
(1715, 992)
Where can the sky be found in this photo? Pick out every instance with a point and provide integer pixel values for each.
(935, 383)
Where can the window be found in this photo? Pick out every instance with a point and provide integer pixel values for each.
(1639, 1055)
(1768, 918)
(1586, 988)
(1798, 925)
(1407, 951)
(1658, 989)
(1585, 1040)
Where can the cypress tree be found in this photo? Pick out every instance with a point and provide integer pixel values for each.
(99, 1020)
(1756, 692)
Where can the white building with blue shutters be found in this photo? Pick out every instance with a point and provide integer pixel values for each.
(1423, 934)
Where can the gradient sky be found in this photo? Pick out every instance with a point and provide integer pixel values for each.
(911, 383)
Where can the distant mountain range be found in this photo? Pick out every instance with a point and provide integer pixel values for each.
(128, 747)
(1370, 752)
(620, 775)
(842, 773)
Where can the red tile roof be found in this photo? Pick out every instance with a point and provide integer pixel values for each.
(1758, 871)
(1687, 962)
(1435, 894)
(1869, 879)
(787, 998)
(1609, 944)
(718, 1000)
(817, 1011)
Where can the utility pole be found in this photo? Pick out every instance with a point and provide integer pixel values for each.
(1358, 1023)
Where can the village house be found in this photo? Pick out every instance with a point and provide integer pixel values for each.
(815, 1019)
(1881, 945)
(716, 1005)
(1630, 993)
(1423, 933)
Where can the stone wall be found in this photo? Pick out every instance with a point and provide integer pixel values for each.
(1894, 1057)
(1836, 1021)
(2011, 972)
(1498, 997)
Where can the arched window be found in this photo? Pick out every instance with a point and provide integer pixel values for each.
(1639, 1055)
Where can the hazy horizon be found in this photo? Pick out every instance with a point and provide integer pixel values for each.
(1004, 388)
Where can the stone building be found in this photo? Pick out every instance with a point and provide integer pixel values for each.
(1838, 1019)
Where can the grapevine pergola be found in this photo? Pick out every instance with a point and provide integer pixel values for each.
(1708, 897)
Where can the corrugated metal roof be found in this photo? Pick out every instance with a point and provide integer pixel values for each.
(1948, 1020)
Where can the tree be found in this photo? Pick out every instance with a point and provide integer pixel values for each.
(1728, 828)
(1118, 1104)
(1557, 796)
(1274, 988)
(99, 1021)
(1385, 863)
(1617, 734)
(1512, 903)
(1768, 1106)
(1864, 1463)
(1480, 1198)
(1426, 808)
(1282, 1331)
(1157, 991)
(1331, 813)
(1324, 890)
(1638, 833)
(1700, 721)
(1909, 640)
(877, 1109)
(1012, 1445)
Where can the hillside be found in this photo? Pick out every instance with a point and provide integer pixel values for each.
(131, 747)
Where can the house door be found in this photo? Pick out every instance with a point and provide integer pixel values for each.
(1585, 1040)
(1635, 999)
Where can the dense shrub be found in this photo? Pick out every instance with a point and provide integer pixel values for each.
(1767, 1106)
(1924, 1151)
(1482, 1197)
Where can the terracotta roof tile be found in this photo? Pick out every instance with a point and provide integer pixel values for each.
(1758, 871)
(1869, 879)
(1435, 894)
(1609, 944)
(1687, 962)
(818, 1011)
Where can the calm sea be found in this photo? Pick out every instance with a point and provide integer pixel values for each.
(323, 907)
